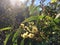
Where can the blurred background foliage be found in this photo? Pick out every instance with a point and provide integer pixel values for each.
(45, 16)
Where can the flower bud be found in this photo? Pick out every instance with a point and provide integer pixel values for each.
(53, 32)
(22, 25)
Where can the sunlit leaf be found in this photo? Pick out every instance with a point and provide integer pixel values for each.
(52, 1)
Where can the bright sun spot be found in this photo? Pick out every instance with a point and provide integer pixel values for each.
(16, 2)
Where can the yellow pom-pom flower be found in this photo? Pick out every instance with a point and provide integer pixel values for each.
(31, 35)
(22, 25)
(25, 35)
(34, 29)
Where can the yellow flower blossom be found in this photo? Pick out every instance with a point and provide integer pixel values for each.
(34, 29)
(27, 28)
(31, 35)
(25, 35)
(31, 23)
(22, 25)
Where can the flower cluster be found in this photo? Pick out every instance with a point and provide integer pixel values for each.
(37, 31)
(31, 30)
(27, 35)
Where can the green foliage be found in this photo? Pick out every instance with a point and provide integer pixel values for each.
(32, 18)
(7, 38)
(7, 28)
(16, 34)
(22, 42)
(33, 9)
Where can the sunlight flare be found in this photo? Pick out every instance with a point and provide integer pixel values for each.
(17, 2)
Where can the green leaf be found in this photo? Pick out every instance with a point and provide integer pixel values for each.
(41, 17)
(15, 42)
(30, 19)
(57, 20)
(33, 18)
(14, 39)
(7, 38)
(6, 28)
(22, 42)
(33, 9)
(56, 28)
